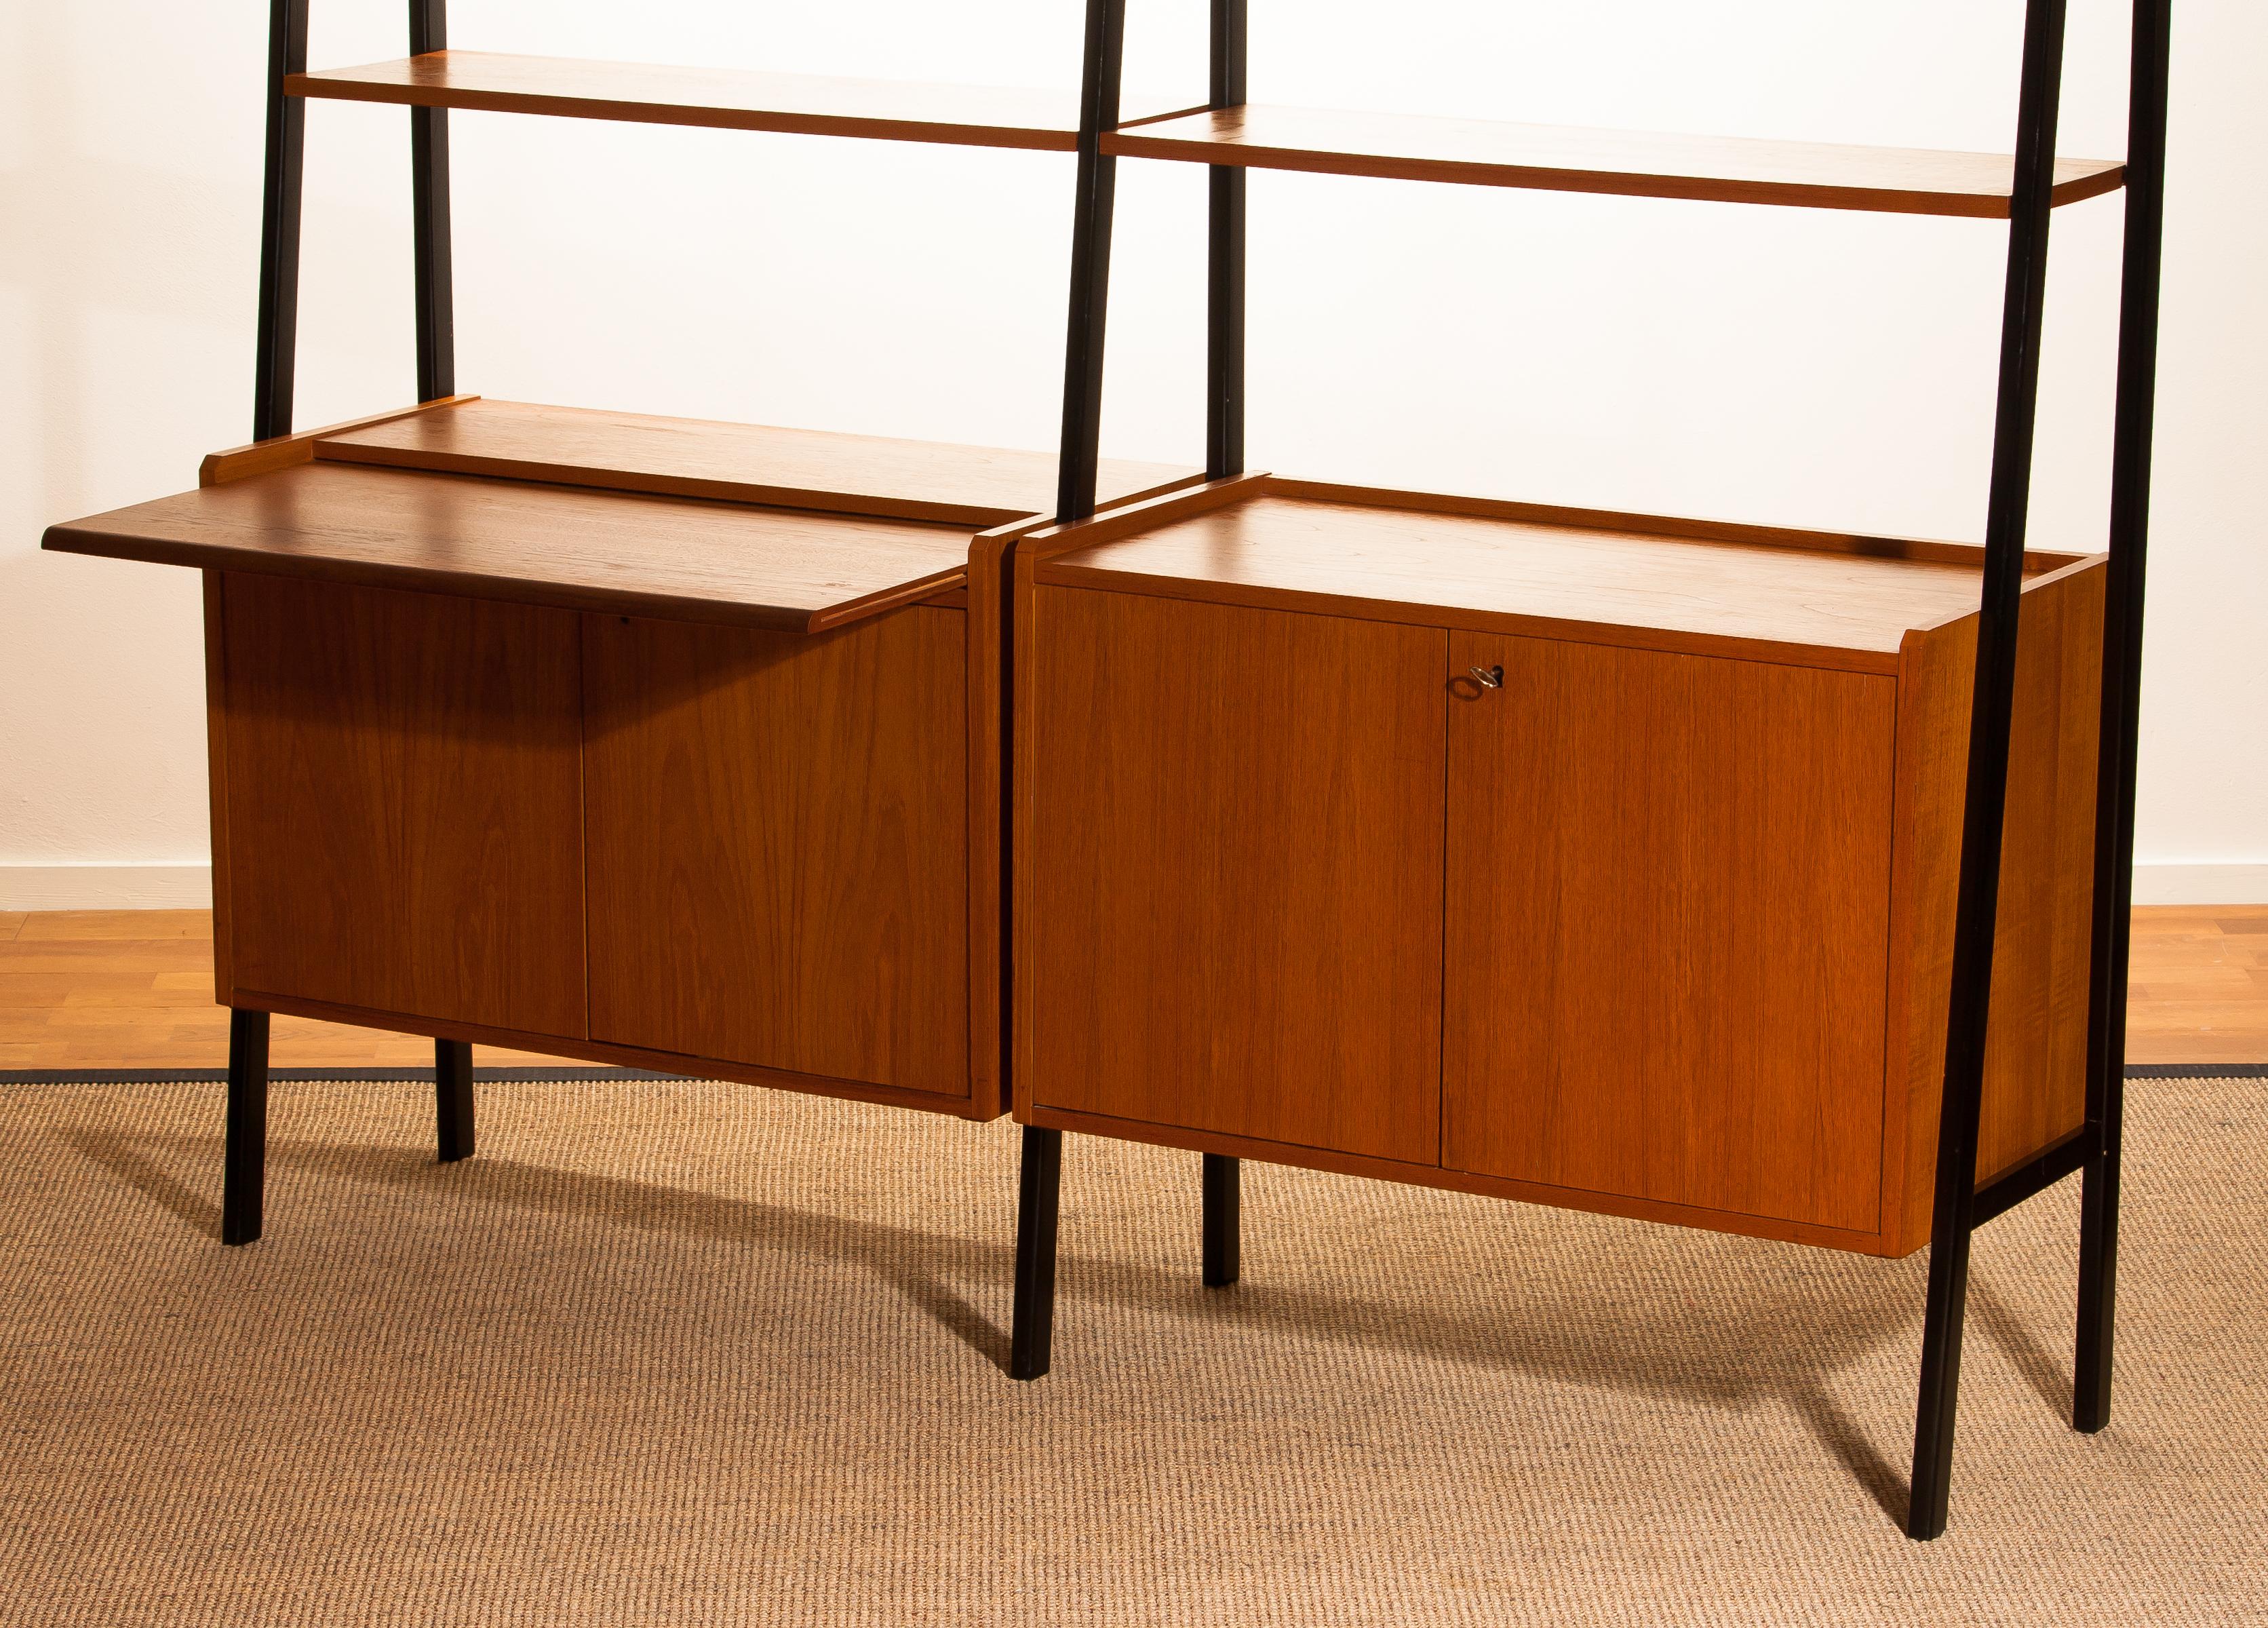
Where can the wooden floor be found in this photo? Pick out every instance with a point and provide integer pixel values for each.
(133, 989)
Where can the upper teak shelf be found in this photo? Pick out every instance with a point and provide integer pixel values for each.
(711, 98)
(1724, 169)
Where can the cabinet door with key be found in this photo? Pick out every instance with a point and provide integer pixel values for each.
(1668, 926)
(1234, 925)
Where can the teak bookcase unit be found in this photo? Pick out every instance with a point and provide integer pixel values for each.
(1770, 881)
(660, 743)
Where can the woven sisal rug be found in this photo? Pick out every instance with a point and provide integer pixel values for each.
(702, 1353)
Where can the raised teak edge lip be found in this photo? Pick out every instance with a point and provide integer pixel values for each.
(1129, 520)
(283, 451)
(1126, 518)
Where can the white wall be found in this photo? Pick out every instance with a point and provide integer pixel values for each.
(1808, 368)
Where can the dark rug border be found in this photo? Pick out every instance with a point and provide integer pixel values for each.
(554, 1076)
(353, 1076)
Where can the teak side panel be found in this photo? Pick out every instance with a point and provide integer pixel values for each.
(2036, 1052)
(780, 845)
(217, 777)
(404, 803)
(1233, 917)
(1669, 900)
(1729, 169)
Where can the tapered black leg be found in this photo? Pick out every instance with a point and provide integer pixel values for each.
(2098, 1292)
(1223, 1220)
(244, 1161)
(2122, 681)
(1041, 1181)
(452, 1099)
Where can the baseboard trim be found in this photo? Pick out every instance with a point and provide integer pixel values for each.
(2201, 884)
(66, 887)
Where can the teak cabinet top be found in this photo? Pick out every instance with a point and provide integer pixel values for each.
(1812, 599)
(793, 530)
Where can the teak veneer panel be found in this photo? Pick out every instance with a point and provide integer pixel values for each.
(1231, 914)
(779, 856)
(1820, 606)
(1633, 163)
(403, 803)
(786, 569)
(2035, 1050)
(972, 486)
(1668, 904)
(713, 97)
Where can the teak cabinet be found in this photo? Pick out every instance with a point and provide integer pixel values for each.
(645, 741)
(695, 842)
(1642, 905)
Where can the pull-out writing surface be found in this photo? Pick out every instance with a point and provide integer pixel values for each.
(790, 570)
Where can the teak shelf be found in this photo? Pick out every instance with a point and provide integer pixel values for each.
(1721, 169)
(709, 97)
(1766, 881)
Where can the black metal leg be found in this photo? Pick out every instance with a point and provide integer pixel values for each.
(244, 1159)
(1223, 1220)
(1038, 1188)
(452, 1099)
(2122, 688)
(1985, 802)
(279, 230)
(429, 192)
(1224, 261)
(1090, 262)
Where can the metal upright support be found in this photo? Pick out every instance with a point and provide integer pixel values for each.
(1975, 913)
(1039, 1188)
(1224, 261)
(429, 194)
(244, 1148)
(453, 1100)
(279, 225)
(2122, 692)
(1090, 262)
(1224, 1202)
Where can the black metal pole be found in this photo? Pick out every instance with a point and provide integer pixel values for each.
(279, 225)
(2122, 696)
(244, 1145)
(429, 190)
(453, 1100)
(1090, 262)
(1224, 261)
(1223, 1181)
(1977, 910)
(1039, 1187)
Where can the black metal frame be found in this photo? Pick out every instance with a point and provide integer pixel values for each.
(1220, 1180)
(429, 186)
(244, 1158)
(1960, 1205)
(277, 346)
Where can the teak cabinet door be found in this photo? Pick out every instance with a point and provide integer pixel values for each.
(403, 824)
(1235, 862)
(1668, 914)
(778, 829)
